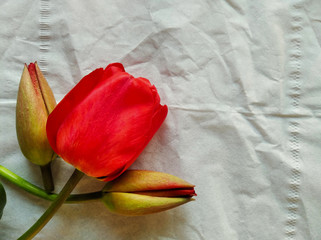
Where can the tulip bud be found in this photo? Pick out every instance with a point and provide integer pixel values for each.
(140, 192)
(3, 199)
(34, 103)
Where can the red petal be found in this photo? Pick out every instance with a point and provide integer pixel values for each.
(170, 193)
(113, 69)
(33, 76)
(157, 120)
(67, 104)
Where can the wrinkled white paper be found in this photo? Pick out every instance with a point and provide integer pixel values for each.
(242, 83)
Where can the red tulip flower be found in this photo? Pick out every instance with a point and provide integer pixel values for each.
(105, 122)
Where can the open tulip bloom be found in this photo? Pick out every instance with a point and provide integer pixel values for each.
(100, 127)
(105, 122)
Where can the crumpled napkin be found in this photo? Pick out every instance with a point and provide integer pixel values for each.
(241, 80)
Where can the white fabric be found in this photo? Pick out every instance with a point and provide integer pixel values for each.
(242, 83)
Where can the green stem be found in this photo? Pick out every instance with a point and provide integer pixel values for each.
(62, 196)
(47, 179)
(33, 189)
(3, 199)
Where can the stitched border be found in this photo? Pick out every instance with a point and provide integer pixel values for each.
(295, 58)
(44, 34)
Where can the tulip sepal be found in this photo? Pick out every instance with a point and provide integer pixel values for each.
(132, 204)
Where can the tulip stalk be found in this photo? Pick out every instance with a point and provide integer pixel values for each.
(53, 208)
(47, 178)
(39, 192)
(3, 199)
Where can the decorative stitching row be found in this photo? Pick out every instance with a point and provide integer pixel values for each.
(44, 34)
(295, 58)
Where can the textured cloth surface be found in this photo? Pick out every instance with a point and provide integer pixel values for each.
(242, 83)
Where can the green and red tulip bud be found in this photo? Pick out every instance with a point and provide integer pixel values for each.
(35, 102)
(140, 192)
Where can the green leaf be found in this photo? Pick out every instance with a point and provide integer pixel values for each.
(3, 199)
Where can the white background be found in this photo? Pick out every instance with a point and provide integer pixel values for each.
(242, 82)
